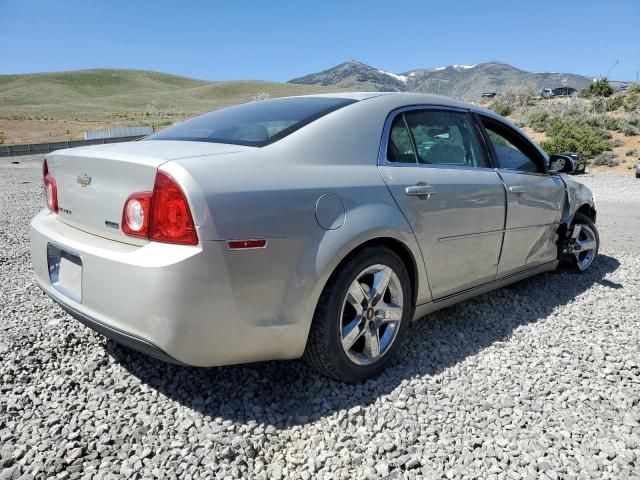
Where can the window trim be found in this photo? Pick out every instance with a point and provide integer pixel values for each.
(540, 160)
(383, 161)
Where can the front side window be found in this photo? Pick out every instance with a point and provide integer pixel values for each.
(512, 152)
(254, 124)
(444, 138)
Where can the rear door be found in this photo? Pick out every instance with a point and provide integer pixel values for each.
(534, 199)
(433, 165)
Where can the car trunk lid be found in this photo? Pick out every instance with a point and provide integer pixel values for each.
(94, 182)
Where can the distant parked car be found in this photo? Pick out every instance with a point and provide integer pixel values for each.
(545, 93)
(489, 94)
(579, 163)
(563, 91)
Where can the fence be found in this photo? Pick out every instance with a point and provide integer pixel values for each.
(42, 148)
(118, 132)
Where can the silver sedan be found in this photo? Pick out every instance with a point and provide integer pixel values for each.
(314, 227)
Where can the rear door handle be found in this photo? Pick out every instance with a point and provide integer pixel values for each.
(517, 189)
(419, 190)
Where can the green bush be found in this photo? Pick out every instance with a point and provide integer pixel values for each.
(614, 103)
(539, 120)
(634, 88)
(502, 108)
(602, 105)
(612, 123)
(598, 88)
(632, 102)
(568, 135)
(632, 152)
(628, 129)
(606, 158)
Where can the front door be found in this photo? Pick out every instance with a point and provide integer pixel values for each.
(534, 199)
(455, 204)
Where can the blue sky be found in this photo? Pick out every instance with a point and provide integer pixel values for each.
(273, 40)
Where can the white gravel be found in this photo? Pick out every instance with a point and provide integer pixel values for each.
(618, 202)
(540, 380)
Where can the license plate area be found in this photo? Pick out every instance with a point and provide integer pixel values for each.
(65, 272)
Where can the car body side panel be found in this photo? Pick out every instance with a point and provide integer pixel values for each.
(578, 194)
(459, 227)
(534, 213)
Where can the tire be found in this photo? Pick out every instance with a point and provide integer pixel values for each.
(581, 259)
(336, 318)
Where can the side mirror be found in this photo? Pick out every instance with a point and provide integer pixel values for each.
(561, 164)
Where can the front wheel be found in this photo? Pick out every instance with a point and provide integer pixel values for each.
(362, 316)
(581, 247)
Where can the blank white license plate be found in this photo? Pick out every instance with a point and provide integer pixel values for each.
(65, 272)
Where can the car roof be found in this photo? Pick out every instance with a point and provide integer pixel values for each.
(400, 99)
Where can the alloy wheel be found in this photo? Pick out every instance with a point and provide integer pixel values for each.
(371, 314)
(584, 245)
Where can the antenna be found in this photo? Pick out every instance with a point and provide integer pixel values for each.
(612, 67)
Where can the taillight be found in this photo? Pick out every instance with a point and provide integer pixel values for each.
(50, 188)
(136, 215)
(170, 214)
(162, 215)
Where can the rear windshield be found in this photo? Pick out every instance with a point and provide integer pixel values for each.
(254, 124)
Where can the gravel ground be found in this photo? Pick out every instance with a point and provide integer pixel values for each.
(618, 203)
(540, 380)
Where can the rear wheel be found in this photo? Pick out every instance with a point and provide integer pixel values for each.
(362, 316)
(582, 244)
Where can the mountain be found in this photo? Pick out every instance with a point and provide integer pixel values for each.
(356, 76)
(458, 81)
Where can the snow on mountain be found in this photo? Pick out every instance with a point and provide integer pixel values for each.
(402, 78)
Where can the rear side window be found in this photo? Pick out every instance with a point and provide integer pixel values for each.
(444, 138)
(253, 124)
(400, 148)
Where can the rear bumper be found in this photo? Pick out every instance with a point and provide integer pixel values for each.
(128, 340)
(196, 305)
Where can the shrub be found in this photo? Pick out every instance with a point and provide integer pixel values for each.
(604, 121)
(606, 158)
(632, 152)
(632, 102)
(599, 105)
(598, 88)
(628, 129)
(616, 143)
(539, 120)
(634, 88)
(614, 103)
(568, 135)
(502, 107)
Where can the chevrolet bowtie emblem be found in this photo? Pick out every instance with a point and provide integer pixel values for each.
(84, 180)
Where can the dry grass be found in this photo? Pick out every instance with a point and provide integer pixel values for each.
(60, 106)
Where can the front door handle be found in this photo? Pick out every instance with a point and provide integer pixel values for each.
(419, 190)
(517, 189)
